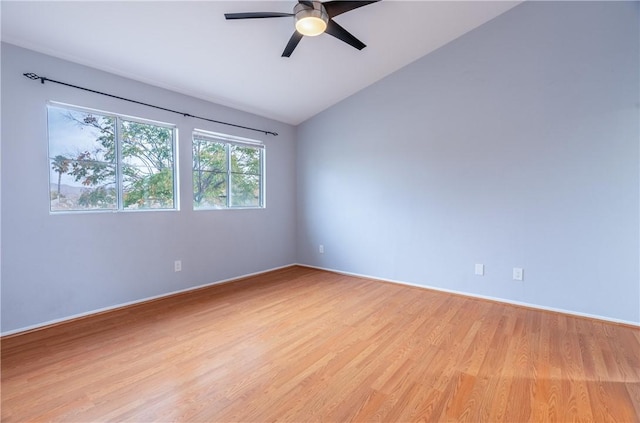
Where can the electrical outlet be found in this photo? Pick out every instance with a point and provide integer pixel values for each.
(480, 269)
(321, 249)
(518, 273)
(177, 265)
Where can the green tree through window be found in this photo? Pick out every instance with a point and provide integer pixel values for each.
(227, 173)
(106, 162)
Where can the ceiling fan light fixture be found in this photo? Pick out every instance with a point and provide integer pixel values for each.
(311, 26)
(311, 18)
(311, 22)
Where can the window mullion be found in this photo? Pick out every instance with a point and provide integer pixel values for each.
(119, 173)
(228, 148)
(261, 176)
(174, 165)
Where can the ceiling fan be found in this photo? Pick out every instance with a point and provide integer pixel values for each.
(313, 18)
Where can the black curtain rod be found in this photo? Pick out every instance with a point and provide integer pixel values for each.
(42, 79)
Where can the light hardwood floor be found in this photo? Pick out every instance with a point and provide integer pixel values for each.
(300, 344)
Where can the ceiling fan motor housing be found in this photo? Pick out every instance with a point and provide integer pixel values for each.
(311, 21)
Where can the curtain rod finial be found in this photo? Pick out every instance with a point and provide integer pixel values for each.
(33, 77)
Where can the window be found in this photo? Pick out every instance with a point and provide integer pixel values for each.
(228, 172)
(102, 161)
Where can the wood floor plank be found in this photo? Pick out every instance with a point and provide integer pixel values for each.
(300, 344)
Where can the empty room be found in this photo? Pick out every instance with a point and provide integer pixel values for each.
(250, 211)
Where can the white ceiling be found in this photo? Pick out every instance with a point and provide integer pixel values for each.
(188, 46)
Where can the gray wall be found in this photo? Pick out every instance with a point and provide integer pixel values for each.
(56, 266)
(514, 146)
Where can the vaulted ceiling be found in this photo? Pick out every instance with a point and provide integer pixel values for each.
(189, 47)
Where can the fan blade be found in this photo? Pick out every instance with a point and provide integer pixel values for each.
(338, 7)
(291, 45)
(342, 34)
(256, 15)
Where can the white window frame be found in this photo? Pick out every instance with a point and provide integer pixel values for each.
(119, 180)
(228, 140)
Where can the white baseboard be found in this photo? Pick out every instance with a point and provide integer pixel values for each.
(142, 300)
(484, 297)
(194, 288)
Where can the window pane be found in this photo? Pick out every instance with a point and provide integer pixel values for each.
(245, 190)
(104, 197)
(81, 160)
(209, 155)
(245, 160)
(147, 166)
(215, 194)
(209, 174)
